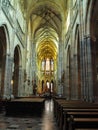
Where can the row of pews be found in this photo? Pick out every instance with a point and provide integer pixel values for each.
(76, 114)
(24, 106)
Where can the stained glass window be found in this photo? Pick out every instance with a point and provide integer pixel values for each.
(52, 64)
(47, 64)
(43, 65)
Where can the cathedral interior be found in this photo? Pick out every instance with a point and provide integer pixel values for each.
(48, 55)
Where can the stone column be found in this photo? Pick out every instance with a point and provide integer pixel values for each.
(89, 69)
(29, 68)
(20, 82)
(74, 77)
(82, 52)
(66, 89)
(82, 64)
(34, 61)
(60, 62)
(7, 76)
(85, 69)
(34, 66)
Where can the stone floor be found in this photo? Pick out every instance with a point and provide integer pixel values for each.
(46, 122)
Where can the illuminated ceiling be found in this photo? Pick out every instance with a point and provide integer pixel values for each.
(46, 18)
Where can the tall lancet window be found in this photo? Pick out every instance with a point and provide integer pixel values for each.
(52, 64)
(43, 65)
(47, 64)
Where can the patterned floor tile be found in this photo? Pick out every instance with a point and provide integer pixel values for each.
(46, 122)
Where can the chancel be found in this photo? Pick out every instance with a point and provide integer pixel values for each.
(48, 64)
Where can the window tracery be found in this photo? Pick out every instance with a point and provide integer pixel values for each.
(47, 65)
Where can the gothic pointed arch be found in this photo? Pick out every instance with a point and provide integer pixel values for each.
(94, 45)
(3, 49)
(16, 67)
(78, 63)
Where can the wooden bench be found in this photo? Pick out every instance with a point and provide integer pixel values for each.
(87, 111)
(76, 107)
(77, 122)
(56, 100)
(77, 112)
(86, 129)
(62, 107)
(25, 106)
(81, 115)
(59, 104)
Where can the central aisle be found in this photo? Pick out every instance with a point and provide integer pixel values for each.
(46, 122)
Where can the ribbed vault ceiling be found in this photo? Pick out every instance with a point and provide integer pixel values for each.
(46, 17)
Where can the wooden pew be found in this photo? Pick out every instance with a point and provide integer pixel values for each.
(62, 105)
(65, 104)
(77, 113)
(67, 111)
(56, 100)
(25, 106)
(83, 123)
(77, 108)
(61, 102)
(81, 119)
(86, 129)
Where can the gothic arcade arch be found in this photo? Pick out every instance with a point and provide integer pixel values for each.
(4, 51)
(3, 47)
(87, 17)
(77, 62)
(16, 67)
(94, 45)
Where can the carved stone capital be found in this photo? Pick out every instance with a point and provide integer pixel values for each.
(88, 36)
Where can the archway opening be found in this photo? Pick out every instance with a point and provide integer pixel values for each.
(16, 72)
(2, 59)
(94, 46)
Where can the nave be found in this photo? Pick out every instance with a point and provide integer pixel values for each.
(44, 122)
(49, 48)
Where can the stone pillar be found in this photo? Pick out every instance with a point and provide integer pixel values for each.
(7, 76)
(20, 82)
(66, 89)
(94, 68)
(33, 68)
(34, 62)
(86, 69)
(82, 70)
(29, 69)
(82, 52)
(60, 62)
(74, 77)
(89, 69)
